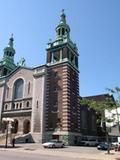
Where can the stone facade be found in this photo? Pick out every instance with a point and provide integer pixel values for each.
(44, 101)
(30, 107)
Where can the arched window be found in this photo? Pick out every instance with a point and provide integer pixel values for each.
(18, 89)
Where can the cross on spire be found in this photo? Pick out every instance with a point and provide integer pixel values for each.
(63, 11)
(10, 43)
(63, 17)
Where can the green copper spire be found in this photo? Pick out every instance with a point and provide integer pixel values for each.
(7, 63)
(62, 34)
(9, 51)
(62, 30)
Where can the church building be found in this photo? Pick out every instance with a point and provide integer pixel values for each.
(44, 101)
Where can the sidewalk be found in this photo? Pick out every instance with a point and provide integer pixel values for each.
(65, 152)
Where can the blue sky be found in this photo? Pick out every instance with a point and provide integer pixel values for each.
(95, 28)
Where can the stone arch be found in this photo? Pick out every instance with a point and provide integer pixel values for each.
(26, 126)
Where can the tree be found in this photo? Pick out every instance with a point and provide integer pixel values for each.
(116, 92)
(100, 106)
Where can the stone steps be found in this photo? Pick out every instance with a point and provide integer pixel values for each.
(26, 138)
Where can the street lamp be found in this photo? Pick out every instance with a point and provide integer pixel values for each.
(8, 126)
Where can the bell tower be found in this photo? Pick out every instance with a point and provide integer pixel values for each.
(62, 102)
(7, 63)
(62, 49)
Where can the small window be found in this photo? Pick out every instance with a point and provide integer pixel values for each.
(14, 106)
(6, 107)
(63, 31)
(72, 58)
(59, 31)
(17, 106)
(27, 104)
(20, 105)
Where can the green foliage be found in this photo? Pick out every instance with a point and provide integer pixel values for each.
(100, 106)
(109, 103)
(116, 92)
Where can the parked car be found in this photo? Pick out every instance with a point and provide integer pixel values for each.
(116, 144)
(54, 144)
(90, 142)
(104, 146)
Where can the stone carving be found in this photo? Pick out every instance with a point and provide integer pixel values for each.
(21, 62)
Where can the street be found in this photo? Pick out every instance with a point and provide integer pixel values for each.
(7, 155)
(37, 152)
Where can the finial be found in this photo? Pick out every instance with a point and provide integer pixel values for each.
(10, 43)
(62, 11)
(12, 35)
(62, 20)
